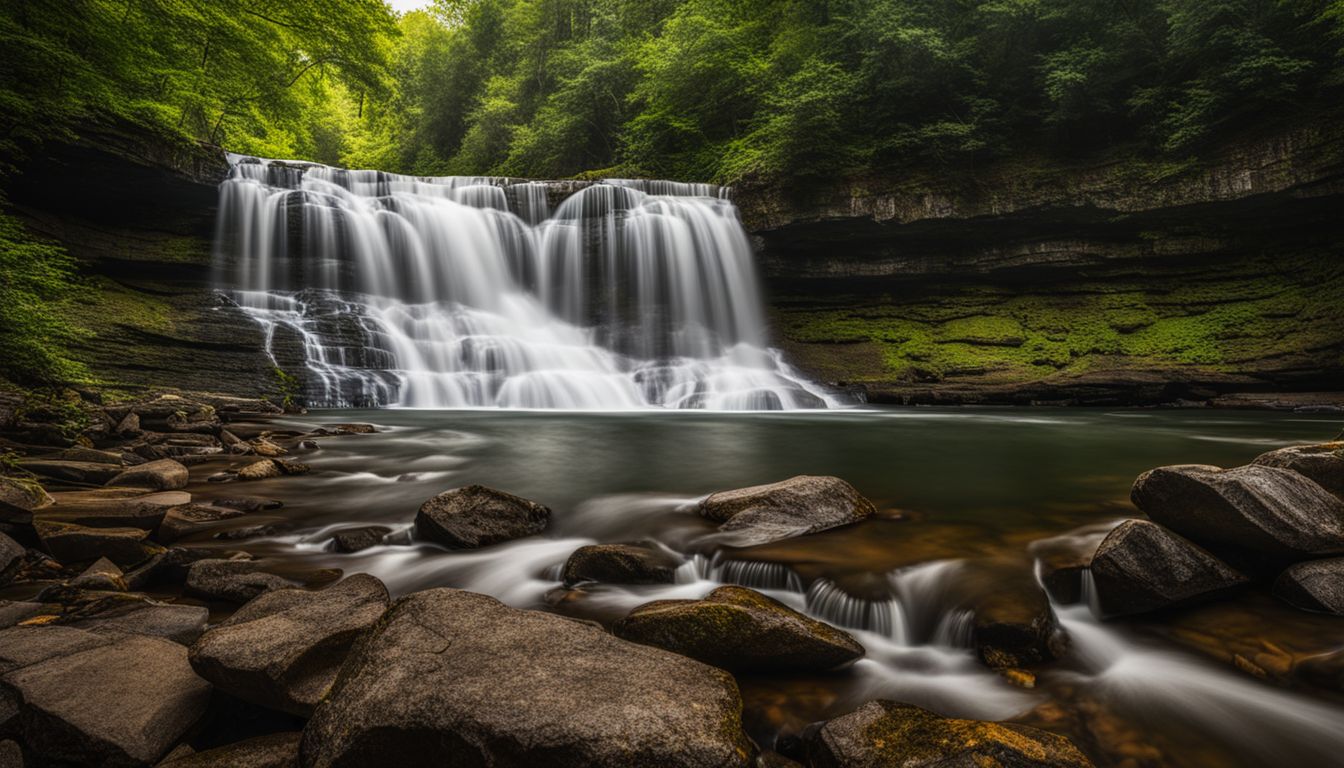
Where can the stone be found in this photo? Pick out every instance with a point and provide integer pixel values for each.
(254, 531)
(247, 503)
(11, 558)
(80, 453)
(128, 509)
(102, 575)
(1143, 567)
(188, 519)
(887, 733)
(77, 472)
(1255, 516)
(137, 615)
(19, 497)
(161, 475)
(345, 429)
(1315, 585)
(794, 507)
(263, 446)
(70, 543)
(1013, 625)
(13, 612)
(453, 677)
(124, 702)
(476, 516)
(129, 426)
(356, 539)
(275, 750)
(268, 468)
(282, 650)
(620, 564)
(23, 646)
(11, 755)
(1322, 464)
(741, 630)
(236, 581)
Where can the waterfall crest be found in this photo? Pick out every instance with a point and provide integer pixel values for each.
(469, 292)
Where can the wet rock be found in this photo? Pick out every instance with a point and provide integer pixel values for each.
(282, 650)
(1254, 516)
(452, 676)
(276, 750)
(19, 497)
(1316, 585)
(134, 615)
(11, 558)
(739, 629)
(268, 468)
(123, 702)
(11, 756)
(188, 519)
(476, 516)
(1142, 567)
(356, 539)
(102, 575)
(1323, 464)
(77, 472)
(1013, 625)
(161, 475)
(253, 531)
(76, 543)
(793, 507)
(620, 564)
(345, 429)
(114, 508)
(888, 733)
(248, 503)
(13, 612)
(129, 426)
(80, 453)
(263, 446)
(236, 581)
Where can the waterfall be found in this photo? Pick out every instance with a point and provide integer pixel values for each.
(471, 292)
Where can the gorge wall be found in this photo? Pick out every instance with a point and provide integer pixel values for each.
(1106, 282)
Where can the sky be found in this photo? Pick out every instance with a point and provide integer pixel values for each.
(407, 5)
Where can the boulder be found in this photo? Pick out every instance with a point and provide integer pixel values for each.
(1316, 585)
(123, 702)
(452, 677)
(356, 539)
(268, 468)
(247, 503)
(13, 612)
(1013, 625)
(887, 733)
(282, 650)
(181, 624)
(11, 558)
(188, 519)
(11, 755)
(476, 516)
(70, 543)
(1323, 464)
(275, 750)
(161, 475)
(129, 426)
(106, 508)
(80, 453)
(236, 581)
(77, 472)
(1142, 567)
(102, 575)
(24, 646)
(793, 507)
(19, 496)
(1254, 516)
(254, 531)
(344, 429)
(263, 446)
(739, 629)
(620, 564)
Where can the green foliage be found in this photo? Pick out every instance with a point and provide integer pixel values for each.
(35, 294)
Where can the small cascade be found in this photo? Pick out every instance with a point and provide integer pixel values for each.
(829, 603)
(468, 292)
(743, 573)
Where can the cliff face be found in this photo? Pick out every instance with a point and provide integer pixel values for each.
(1109, 283)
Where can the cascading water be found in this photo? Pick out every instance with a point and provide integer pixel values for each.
(469, 292)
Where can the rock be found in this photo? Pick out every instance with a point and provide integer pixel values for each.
(345, 429)
(181, 624)
(27, 645)
(1257, 516)
(101, 509)
(125, 702)
(454, 677)
(1323, 464)
(12, 613)
(188, 519)
(276, 750)
(102, 575)
(161, 475)
(254, 531)
(1142, 567)
(282, 650)
(356, 539)
(76, 543)
(793, 507)
(248, 503)
(11, 756)
(1316, 585)
(476, 516)
(77, 472)
(620, 564)
(268, 468)
(887, 733)
(307, 445)
(11, 558)
(236, 581)
(80, 453)
(1013, 625)
(263, 446)
(19, 497)
(739, 629)
(129, 426)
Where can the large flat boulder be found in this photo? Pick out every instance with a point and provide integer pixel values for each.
(800, 505)
(190, 519)
(358, 539)
(113, 508)
(620, 564)
(70, 543)
(1323, 464)
(477, 516)
(740, 629)
(161, 475)
(452, 677)
(1141, 566)
(1316, 585)
(121, 703)
(282, 650)
(275, 750)
(235, 581)
(1253, 516)
(885, 734)
(76, 472)
(19, 496)
(136, 615)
